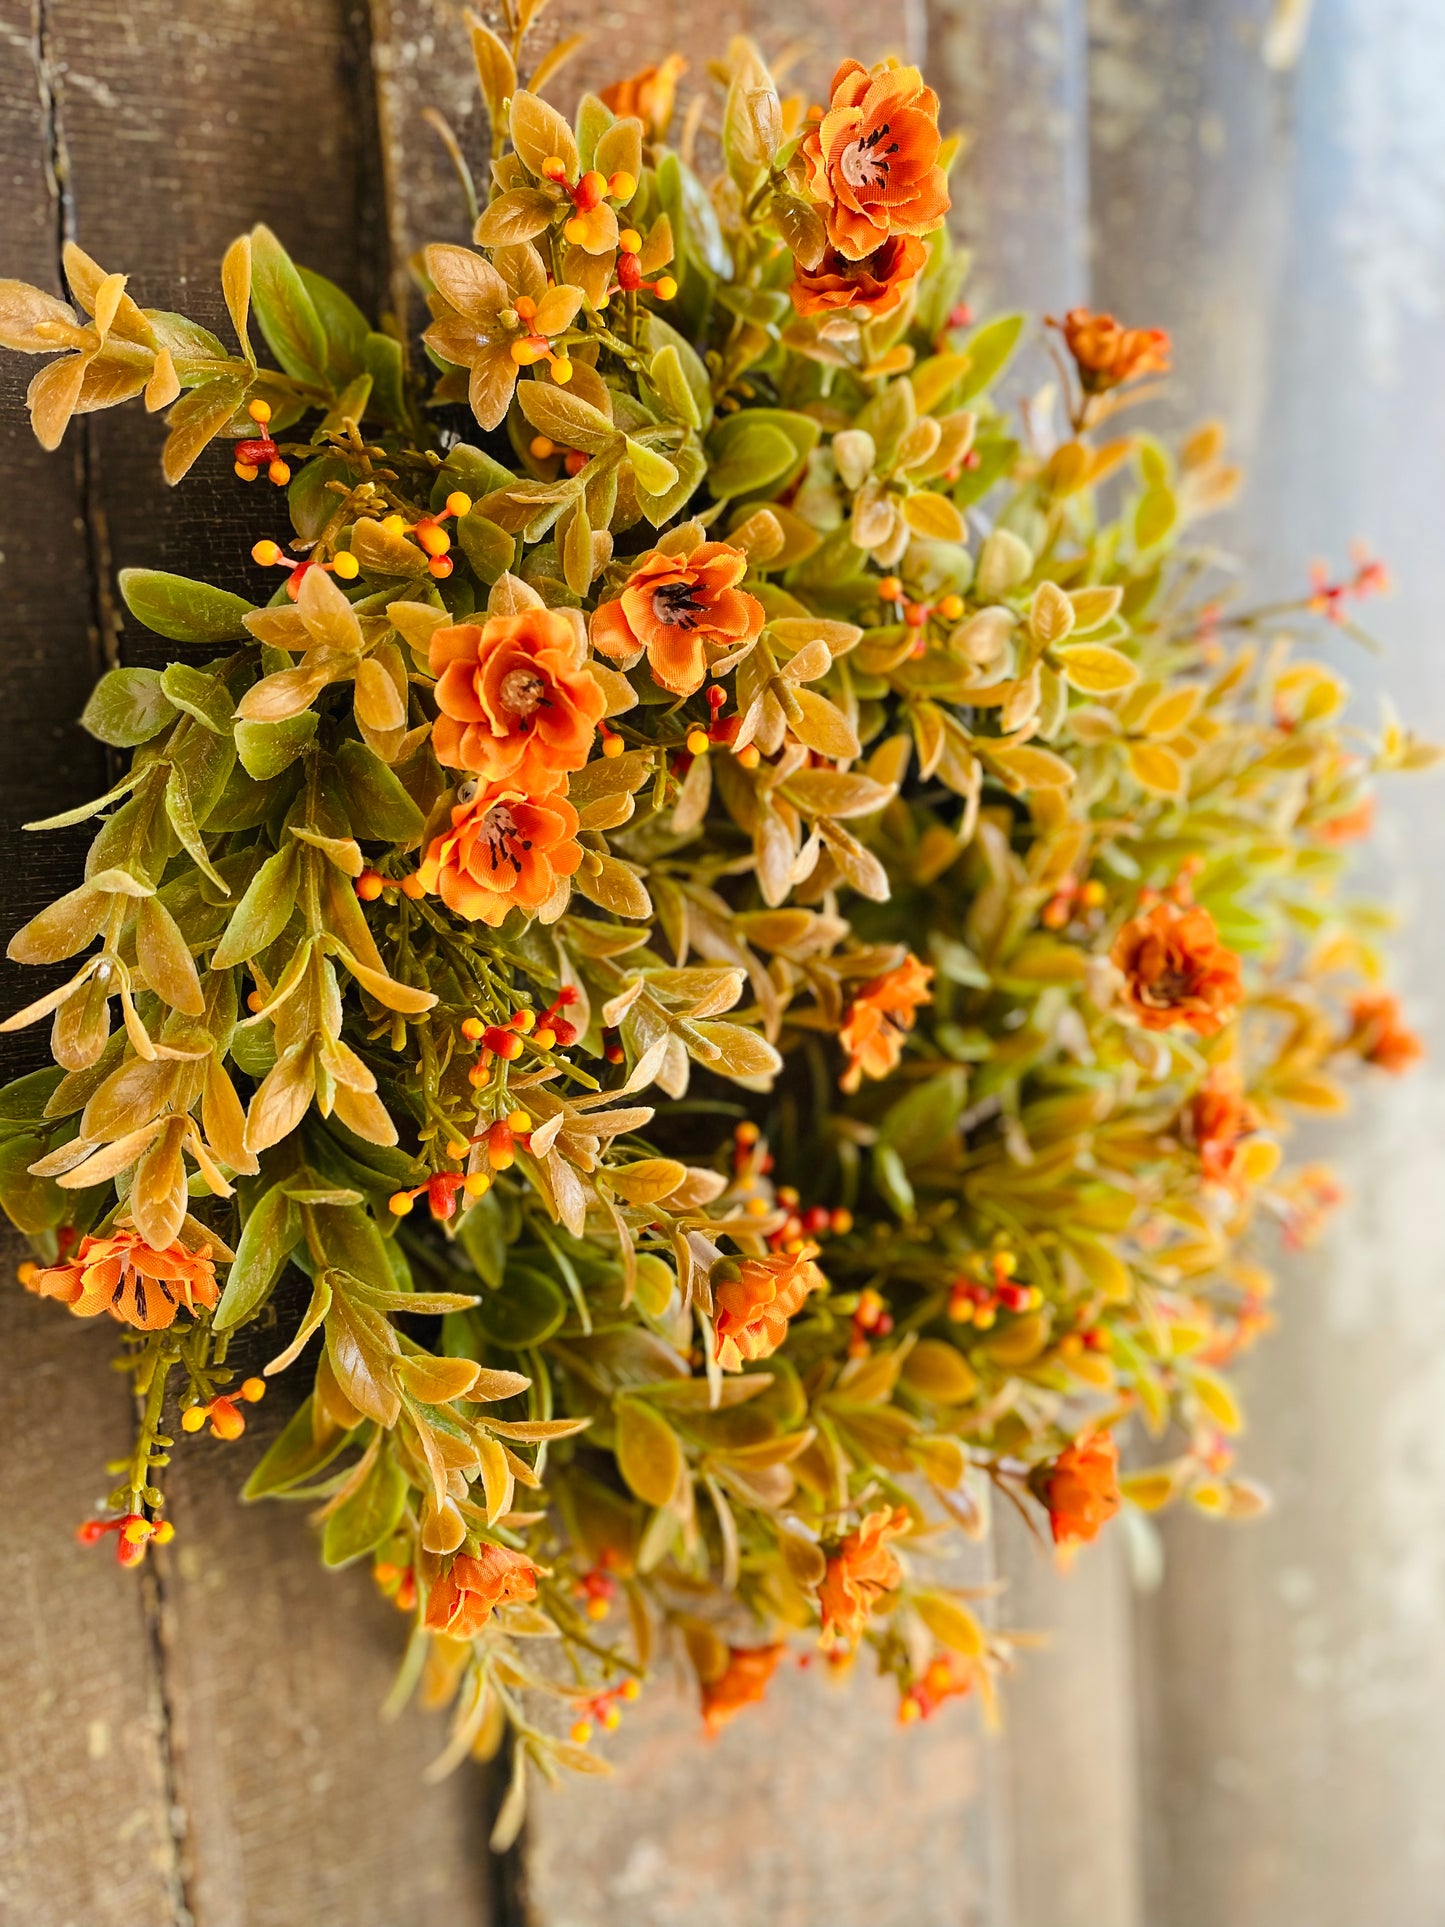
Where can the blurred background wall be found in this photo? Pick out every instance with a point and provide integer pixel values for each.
(1257, 1741)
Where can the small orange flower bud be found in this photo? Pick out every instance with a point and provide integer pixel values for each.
(951, 608)
(630, 1689)
(163, 1532)
(554, 168)
(524, 1020)
(575, 460)
(499, 1146)
(394, 524)
(227, 1422)
(519, 1122)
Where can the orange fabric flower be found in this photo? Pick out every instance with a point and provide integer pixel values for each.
(1220, 1118)
(860, 1572)
(123, 1275)
(876, 1020)
(1107, 354)
(505, 850)
(675, 609)
(872, 160)
(648, 94)
(1349, 826)
(461, 1601)
(752, 1309)
(873, 285)
(1177, 971)
(743, 1683)
(515, 697)
(1081, 1488)
(1380, 1034)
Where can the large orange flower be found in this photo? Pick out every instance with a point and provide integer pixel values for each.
(1380, 1034)
(872, 161)
(1176, 971)
(743, 1682)
(1107, 354)
(505, 850)
(755, 1298)
(873, 285)
(859, 1572)
(121, 1274)
(877, 1019)
(515, 697)
(675, 609)
(1081, 1488)
(648, 94)
(461, 1601)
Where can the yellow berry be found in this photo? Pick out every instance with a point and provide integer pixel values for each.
(477, 1184)
(621, 186)
(411, 886)
(472, 1028)
(908, 1711)
(394, 524)
(554, 168)
(459, 502)
(246, 470)
(576, 230)
(519, 1123)
(279, 472)
(541, 446)
(369, 885)
(666, 288)
(597, 1609)
(612, 744)
(268, 554)
(630, 1689)
(400, 1203)
(581, 1732)
(697, 742)
(27, 1273)
(193, 1418)
(479, 1072)
(163, 1532)
(611, 1719)
(253, 1390)
(562, 371)
(629, 240)
(434, 538)
(544, 1038)
(346, 566)
(524, 1020)
(890, 589)
(750, 756)
(951, 608)
(258, 410)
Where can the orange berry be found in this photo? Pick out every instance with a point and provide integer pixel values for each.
(268, 554)
(524, 1020)
(890, 589)
(247, 471)
(369, 885)
(441, 567)
(597, 1609)
(666, 288)
(629, 240)
(163, 1532)
(400, 1203)
(253, 1390)
(621, 186)
(258, 410)
(193, 1418)
(459, 503)
(472, 1028)
(750, 756)
(412, 886)
(561, 371)
(433, 538)
(526, 308)
(541, 446)
(477, 1184)
(545, 1038)
(951, 608)
(279, 472)
(519, 1123)
(630, 1689)
(697, 742)
(612, 743)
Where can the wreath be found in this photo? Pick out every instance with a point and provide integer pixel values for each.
(723, 956)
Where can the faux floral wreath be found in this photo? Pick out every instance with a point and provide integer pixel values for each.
(749, 927)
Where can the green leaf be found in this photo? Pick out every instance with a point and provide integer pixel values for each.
(294, 1457)
(202, 696)
(265, 749)
(489, 549)
(989, 350)
(370, 1515)
(182, 610)
(183, 821)
(891, 1179)
(126, 707)
(385, 363)
(378, 805)
(918, 1124)
(528, 1308)
(263, 913)
(655, 474)
(752, 459)
(285, 310)
(31, 1204)
(343, 325)
(268, 1237)
(648, 1454)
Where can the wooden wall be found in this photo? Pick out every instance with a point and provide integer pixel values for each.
(1257, 1743)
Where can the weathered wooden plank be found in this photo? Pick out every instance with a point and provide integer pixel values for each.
(85, 1833)
(179, 126)
(1288, 230)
